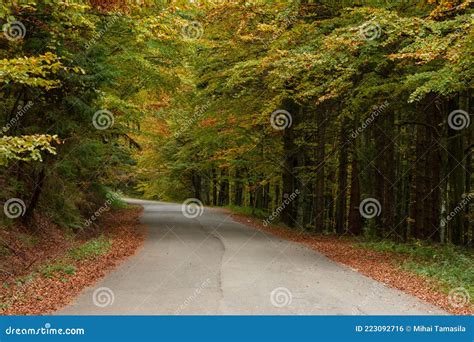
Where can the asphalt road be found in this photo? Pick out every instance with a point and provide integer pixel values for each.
(213, 265)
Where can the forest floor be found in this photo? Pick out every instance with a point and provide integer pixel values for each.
(398, 268)
(44, 271)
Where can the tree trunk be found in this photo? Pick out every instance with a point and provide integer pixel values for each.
(238, 192)
(355, 224)
(319, 189)
(289, 213)
(214, 187)
(457, 182)
(341, 200)
(37, 189)
(196, 180)
(224, 188)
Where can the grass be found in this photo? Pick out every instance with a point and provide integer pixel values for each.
(91, 249)
(450, 265)
(22, 280)
(59, 268)
(28, 240)
(4, 251)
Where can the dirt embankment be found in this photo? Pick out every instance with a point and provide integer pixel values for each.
(38, 272)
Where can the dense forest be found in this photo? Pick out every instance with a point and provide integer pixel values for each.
(339, 117)
(346, 118)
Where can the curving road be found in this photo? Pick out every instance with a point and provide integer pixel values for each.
(213, 265)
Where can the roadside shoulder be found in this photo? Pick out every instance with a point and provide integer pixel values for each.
(381, 266)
